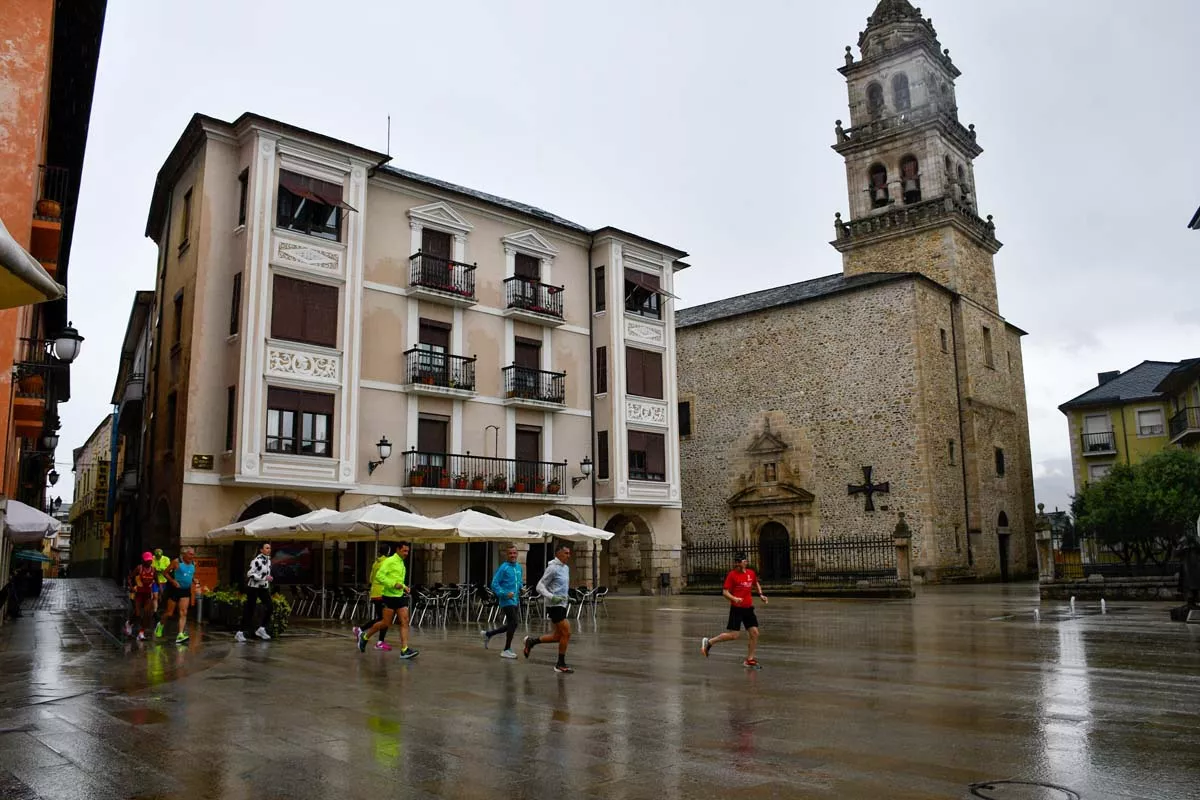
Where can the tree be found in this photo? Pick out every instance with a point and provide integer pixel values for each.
(1142, 512)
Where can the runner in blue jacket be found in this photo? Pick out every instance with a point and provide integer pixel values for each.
(506, 583)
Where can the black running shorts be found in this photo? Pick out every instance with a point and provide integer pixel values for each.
(395, 603)
(557, 613)
(739, 617)
(178, 593)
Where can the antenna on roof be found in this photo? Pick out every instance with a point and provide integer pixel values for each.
(389, 141)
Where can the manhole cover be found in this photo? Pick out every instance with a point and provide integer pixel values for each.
(1021, 790)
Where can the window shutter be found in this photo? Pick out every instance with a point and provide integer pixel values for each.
(286, 309)
(601, 370)
(637, 441)
(653, 380)
(526, 266)
(527, 354)
(600, 298)
(685, 418)
(634, 378)
(431, 435)
(436, 243)
(436, 334)
(656, 456)
(602, 455)
(320, 314)
(235, 305)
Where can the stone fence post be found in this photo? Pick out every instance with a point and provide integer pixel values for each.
(1045, 545)
(902, 539)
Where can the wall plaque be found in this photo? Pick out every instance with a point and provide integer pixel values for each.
(202, 462)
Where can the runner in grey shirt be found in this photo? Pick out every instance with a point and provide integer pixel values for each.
(555, 586)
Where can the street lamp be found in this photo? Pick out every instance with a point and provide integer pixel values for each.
(50, 441)
(52, 476)
(385, 451)
(67, 344)
(585, 466)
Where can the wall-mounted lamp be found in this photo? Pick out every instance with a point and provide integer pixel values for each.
(385, 451)
(585, 467)
(50, 441)
(66, 345)
(52, 476)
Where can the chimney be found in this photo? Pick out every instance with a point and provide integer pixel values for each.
(1105, 377)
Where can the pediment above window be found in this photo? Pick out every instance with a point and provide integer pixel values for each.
(771, 494)
(532, 242)
(440, 215)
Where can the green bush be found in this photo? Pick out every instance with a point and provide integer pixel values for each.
(227, 605)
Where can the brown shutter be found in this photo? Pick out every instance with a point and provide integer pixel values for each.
(526, 266)
(529, 443)
(314, 403)
(527, 353)
(435, 334)
(656, 455)
(653, 370)
(436, 243)
(287, 310)
(634, 378)
(637, 441)
(320, 314)
(601, 455)
(601, 370)
(600, 294)
(431, 435)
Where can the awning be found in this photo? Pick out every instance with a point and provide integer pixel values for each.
(23, 281)
(26, 525)
(318, 191)
(644, 280)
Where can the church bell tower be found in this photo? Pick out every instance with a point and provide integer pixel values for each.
(910, 162)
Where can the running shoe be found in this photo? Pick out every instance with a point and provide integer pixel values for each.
(705, 646)
(158, 630)
(751, 663)
(239, 637)
(262, 634)
(181, 638)
(141, 636)
(128, 629)
(382, 646)
(563, 668)
(409, 653)
(357, 631)
(527, 647)
(486, 639)
(508, 654)
(362, 643)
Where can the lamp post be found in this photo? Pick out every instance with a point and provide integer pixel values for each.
(52, 476)
(67, 344)
(385, 452)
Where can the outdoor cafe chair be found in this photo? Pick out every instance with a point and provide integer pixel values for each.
(490, 603)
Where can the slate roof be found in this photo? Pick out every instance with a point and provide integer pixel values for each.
(780, 296)
(524, 208)
(1138, 383)
(1179, 377)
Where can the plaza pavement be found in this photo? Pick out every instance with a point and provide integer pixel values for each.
(857, 699)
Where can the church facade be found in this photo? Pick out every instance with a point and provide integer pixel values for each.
(828, 407)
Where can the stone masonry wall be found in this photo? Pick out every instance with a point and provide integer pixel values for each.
(838, 372)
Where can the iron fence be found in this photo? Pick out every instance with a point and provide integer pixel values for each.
(439, 369)
(442, 274)
(54, 184)
(821, 563)
(1187, 418)
(526, 383)
(1076, 571)
(1103, 442)
(528, 294)
(483, 474)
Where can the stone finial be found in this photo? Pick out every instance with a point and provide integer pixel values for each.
(902, 531)
(839, 131)
(849, 56)
(991, 226)
(971, 131)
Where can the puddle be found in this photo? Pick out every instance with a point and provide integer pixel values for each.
(141, 716)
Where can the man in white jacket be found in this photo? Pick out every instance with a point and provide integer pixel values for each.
(555, 586)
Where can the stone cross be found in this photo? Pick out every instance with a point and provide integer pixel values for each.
(869, 489)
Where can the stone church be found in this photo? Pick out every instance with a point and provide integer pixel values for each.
(825, 408)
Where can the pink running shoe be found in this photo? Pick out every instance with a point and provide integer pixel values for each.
(357, 631)
(382, 646)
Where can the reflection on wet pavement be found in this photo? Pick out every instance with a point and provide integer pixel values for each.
(857, 699)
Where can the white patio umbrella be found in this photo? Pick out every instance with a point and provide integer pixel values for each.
(561, 528)
(260, 527)
(295, 529)
(25, 524)
(481, 527)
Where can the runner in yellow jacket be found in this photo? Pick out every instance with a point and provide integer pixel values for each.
(391, 576)
(376, 597)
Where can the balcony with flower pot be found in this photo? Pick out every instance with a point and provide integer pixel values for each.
(534, 388)
(439, 374)
(46, 236)
(466, 475)
(442, 280)
(531, 300)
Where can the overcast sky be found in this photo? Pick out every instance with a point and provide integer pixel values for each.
(702, 124)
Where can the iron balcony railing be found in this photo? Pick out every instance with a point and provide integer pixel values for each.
(34, 368)
(439, 369)
(54, 184)
(442, 274)
(527, 294)
(822, 563)
(1104, 442)
(483, 474)
(525, 383)
(1184, 420)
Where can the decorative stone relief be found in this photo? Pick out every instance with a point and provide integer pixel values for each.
(646, 412)
(645, 332)
(308, 256)
(250, 463)
(288, 363)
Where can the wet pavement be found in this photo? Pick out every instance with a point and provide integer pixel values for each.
(856, 699)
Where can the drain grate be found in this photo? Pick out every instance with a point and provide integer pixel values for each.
(1021, 790)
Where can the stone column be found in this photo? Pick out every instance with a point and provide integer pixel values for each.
(1045, 545)
(902, 539)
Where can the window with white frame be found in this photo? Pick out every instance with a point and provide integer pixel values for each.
(1098, 471)
(1150, 422)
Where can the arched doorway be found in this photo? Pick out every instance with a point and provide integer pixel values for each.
(774, 553)
(1002, 542)
(280, 504)
(626, 558)
(291, 563)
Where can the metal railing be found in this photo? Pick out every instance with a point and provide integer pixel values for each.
(526, 383)
(54, 183)
(34, 368)
(483, 473)
(821, 563)
(1103, 442)
(442, 274)
(534, 296)
(1074, 570)
(439, 369)
(1184, 420)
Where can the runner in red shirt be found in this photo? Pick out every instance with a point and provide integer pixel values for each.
(144, 578)
(738, 585)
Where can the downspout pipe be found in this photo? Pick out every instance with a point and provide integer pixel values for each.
(159, 292)
(591, 312)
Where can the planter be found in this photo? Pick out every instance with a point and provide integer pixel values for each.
(33, 383)
(416, 479)
(553, 488)
(461, 483)
(49, 208)
(477, 484)
(443, 483)
(539, 487)
(499, 485)
(520, 487)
